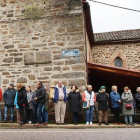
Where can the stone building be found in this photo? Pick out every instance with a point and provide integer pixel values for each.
(33, 33)
(114, 60)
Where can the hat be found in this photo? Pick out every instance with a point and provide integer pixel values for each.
(102, 87)
(11, 84)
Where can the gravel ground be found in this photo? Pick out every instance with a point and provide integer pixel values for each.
(71, 134)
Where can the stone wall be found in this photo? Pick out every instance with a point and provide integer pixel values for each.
(31, 42)
(128, 52)
(32, 35)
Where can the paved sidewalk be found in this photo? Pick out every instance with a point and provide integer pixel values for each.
(70, 126)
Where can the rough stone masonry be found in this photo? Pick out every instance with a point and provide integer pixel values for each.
(32, 35)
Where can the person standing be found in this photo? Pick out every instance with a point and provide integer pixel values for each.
(102, 99)
(34, 107)
(9, 97)
(29, 108)
(115, 102)
(0, 100)
(127, 106)
(89, 95)
(45, 111)
(60, 99)
(22, 102)
(137, 98)
(74, 99)
(40, 99)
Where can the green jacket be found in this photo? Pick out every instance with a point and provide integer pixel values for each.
(127, 98)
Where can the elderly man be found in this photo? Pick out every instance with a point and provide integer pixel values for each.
(60, 99)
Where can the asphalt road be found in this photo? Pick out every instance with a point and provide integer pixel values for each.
(71, 134)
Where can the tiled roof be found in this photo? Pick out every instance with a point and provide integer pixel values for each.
(117, 36)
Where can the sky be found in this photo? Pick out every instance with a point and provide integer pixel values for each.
(106, 18)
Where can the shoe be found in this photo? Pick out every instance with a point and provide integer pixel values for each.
(37, 124)
(119, 123)
(11, 121)
(126, 123)
(132, 124)
(4, 121)
(57, 123)
(99, 123)
(106, 123)
(63, 123)
(29, 122)
(87, 123)
(90, 123)
(75, 123)
(45, 123)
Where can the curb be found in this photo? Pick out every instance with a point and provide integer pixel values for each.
(69, 126)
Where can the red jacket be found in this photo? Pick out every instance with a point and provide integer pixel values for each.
(0, 94)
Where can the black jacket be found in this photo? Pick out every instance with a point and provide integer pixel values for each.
(102, 99)
(22, 97)
(9, 97)
(41, 95)
(74, 99)
(137, 98)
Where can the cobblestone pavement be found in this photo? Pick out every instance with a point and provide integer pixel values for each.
(71, 134)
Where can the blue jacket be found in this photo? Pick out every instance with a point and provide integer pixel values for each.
(15, 102)
(115, 97)
(56, 94)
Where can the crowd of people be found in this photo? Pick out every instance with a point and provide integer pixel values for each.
(32, 107)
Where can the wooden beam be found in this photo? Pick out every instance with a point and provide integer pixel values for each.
(116, 70)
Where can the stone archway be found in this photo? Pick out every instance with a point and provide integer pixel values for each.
(120, 55)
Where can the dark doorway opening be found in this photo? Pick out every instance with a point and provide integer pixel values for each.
(97, 78)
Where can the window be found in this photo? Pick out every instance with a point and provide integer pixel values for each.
(118, 62)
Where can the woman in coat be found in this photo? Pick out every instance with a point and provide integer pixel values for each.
(22, 102)
(89, 97)
(74, 99)
(127, 101)
(137, 98)
(115, 102)
(30, 104)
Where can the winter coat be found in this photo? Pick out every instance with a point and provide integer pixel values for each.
(47, 101)
(137, 98)
(74, 99)
(22, 97)
(102, 99)
(0, 94)
(29, 97)
(9, 97)
(56, 94)
(127, 98)
(34, 101)
(41, 95)
(115, 97)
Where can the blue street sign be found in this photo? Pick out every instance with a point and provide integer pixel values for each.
(67, 53)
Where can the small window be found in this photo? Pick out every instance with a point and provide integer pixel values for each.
(118, 62)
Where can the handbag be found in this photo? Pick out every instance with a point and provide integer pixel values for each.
(128, 106)
(86, 104)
